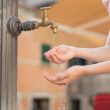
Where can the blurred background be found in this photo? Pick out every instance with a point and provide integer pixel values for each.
(80, 23)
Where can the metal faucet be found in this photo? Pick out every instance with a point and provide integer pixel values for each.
(15, 27)
(45, 21)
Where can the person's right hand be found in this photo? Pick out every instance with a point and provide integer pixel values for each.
(66, 77)
(61, 54)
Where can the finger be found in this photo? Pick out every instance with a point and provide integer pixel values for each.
(58, 57)
(54, 59)
(57, 49)
(50, 78)
(62, 82)
(62, 76)
(47, 55)
(61, 58)
(56, 78)
(49, 58)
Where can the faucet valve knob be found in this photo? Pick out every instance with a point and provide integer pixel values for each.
(45, 8)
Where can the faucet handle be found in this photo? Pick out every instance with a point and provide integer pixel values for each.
(45, 14)
(45, 8)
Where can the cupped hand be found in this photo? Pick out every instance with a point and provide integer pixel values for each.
(66, 77)
(61, 54)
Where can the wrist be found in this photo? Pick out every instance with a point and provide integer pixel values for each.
(84, 72)
(74, 51)
(87, 70)
(81, 70)
(77, 52)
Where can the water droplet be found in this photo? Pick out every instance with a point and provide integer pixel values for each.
(55, 35)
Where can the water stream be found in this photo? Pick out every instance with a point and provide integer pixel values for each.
(62, 103)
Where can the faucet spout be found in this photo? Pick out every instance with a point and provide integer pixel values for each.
(54, 28)
(44, 24)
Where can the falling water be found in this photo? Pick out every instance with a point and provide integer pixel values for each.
(55, 44)
(62, 98)
(55, 35)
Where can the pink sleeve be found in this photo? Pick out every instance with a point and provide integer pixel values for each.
(106, 3)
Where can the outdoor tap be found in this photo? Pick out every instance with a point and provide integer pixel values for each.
(15, 27)
(46, 22)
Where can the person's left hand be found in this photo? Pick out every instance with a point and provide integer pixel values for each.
(66, 77)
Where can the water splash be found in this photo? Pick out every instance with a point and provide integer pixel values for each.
(62, 102)
(62, 106)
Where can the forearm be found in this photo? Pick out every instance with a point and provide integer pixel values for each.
(108, 40)
(98, 68)
(94, 54)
